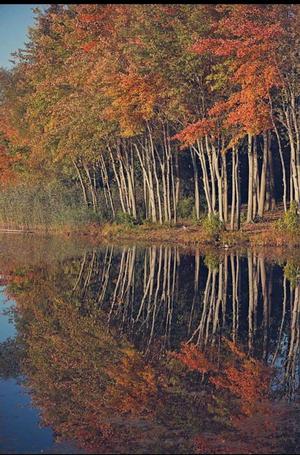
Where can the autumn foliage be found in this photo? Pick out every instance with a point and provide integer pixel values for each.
(138, 107)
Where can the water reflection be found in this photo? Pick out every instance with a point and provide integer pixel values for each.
(151, 350)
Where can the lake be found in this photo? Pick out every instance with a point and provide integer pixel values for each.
(147, 349)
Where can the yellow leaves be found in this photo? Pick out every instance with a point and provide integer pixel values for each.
(134, 386)
(133, 98)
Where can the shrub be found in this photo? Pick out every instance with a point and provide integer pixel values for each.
(243, 217)
(292, 273)
(212, 226)
(185, 207)
(125, 219)
(290, 222)
(211, 261)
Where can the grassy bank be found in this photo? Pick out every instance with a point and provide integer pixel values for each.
(275, 230)
(186, 234)
(261, 234)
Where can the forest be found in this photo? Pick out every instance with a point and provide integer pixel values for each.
(152, 113)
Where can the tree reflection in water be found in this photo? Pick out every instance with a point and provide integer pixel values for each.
(148, 349)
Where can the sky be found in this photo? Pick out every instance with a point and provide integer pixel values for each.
(14, 22)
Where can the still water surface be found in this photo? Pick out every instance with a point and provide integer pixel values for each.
(147, 349)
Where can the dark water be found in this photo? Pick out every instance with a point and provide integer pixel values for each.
(139, 350)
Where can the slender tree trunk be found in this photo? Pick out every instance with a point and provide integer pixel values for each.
(251, 304)
(216, 170)
(284, 179)
(272, 182)
(173, 183)
(235, 295)
(84, 193)
(225, 187)
(292, 196)
(250, 180)
(212, 180)
(233, 188)
(294, 160)
(262, 195)
(196, 185)
(200, 152)
(255, 179)
(127, 160)
(265, 295)
(155, 174)
(106, 182)
(117, 179)
(148, 178)
(123, 184)
(238, 193)
(91, 187)
(177, 183)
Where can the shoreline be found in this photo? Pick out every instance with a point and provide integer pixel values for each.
(275, 247)
(254, 235)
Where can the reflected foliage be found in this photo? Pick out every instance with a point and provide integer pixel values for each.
(11, 355)
(146, 350)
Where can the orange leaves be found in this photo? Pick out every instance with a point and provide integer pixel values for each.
(134, 385)
(87, 18)
(271, 77)
(133, 100)
(89, 46)
(101, 21)
(218, 46)
(8, 124)
(246, 382)
(251, 117)
(234, 349)
(193, 358)
(244, 378)
(195, 131)
(247, 36)
(242, 45)
(7, 162)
